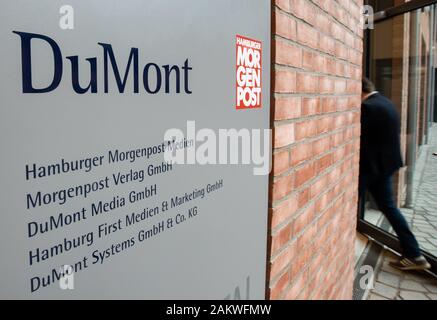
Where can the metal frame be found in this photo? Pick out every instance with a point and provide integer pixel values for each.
(414, 92)
(430, 71)
(401, 9)
(390, 240)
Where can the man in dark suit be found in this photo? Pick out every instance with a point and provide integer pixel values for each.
(380, 158)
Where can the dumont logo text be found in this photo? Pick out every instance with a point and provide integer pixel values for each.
(144, 77)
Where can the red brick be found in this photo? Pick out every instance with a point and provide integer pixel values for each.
(321, 145)
(303, 10)
(310, 106)
(288, 54)
(281, 261)
(320, 63)
(283, 4)
(327, 44)
(328, 104)
(284, 211)
(307, 35)
(278, 288)
(296, 288)
(340, 86)
(285, 81)
(323, 163)
(282, 187)
(318, 187)
(324, 125)
(281, 162)
(284, 135)
(305, 129)
(304, 174)
(300, 153)
(285, 27)
(322, 22)
(326, 85)
(307, 83)
(288, 108)
(308, 60)
(281, 238)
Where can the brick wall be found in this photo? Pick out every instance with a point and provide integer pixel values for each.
(316, 79)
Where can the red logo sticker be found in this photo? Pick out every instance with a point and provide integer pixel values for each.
(248, 76)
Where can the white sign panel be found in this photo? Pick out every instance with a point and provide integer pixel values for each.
(119, 121)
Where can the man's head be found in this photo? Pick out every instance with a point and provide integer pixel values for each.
(367, 88)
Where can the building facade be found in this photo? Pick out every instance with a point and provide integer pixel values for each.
(321, 50)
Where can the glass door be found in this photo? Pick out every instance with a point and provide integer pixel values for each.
(400, 58)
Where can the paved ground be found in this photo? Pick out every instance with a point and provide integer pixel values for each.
(423, 218)
(391, 283)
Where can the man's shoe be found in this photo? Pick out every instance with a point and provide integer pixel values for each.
(405, 264)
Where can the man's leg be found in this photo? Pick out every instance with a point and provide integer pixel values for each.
(381, 191)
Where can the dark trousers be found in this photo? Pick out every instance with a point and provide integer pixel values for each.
(380, 187)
